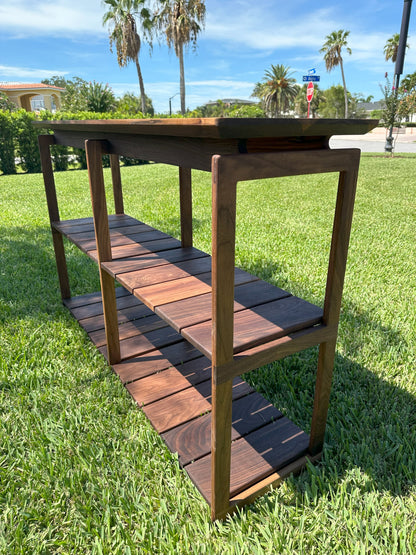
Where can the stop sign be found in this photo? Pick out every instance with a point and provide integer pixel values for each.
(309, 91)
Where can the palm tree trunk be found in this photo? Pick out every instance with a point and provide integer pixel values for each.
(182, 79)
(141, 85)
(345, 88)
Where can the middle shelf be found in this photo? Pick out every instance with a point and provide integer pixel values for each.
(175, 283)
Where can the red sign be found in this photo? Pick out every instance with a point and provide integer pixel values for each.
(309, 92)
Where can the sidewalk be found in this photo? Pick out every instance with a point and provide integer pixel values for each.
(375, 141)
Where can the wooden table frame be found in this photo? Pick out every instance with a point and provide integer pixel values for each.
(228, 168)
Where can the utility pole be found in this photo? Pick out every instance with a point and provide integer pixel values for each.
(170, 103)
(398, 70)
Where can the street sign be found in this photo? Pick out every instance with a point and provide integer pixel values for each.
(311, 78)
(309, 95)
(312, 71)
(309, 92)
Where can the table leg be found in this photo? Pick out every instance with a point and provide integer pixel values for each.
(94, 150)
(45, 141)
(223, 255)
(335, 281)
(185, 195)
(116, 178)
(220, 448)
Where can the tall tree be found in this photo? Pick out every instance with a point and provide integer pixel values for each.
(332, 50)
(391, 47)
(277, 91)
(120, 18)
(180, 21)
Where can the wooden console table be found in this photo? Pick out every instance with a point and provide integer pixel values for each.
(185, 325)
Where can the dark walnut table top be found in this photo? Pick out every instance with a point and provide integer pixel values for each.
(192, 142)
(218, 128)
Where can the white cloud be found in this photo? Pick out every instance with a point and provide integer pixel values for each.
(7, 72)
(275, 30)
(58, 18)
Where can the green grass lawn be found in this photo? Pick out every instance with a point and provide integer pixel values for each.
(82, 470)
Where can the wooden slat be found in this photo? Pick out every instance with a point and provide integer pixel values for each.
(87, 234)
(187, 404)
(188, 312)
(135, 249)
(156, 295)
(162, 293)
(254, 456)
(149, 258)
(260, 324)
(155, 361)
(79, 226)
(146, 342)
(83, 224)
(91, 298)
(176, 378)
(192, 440)
(132, 329)
(165, 273)
(95, 309)
(67, 224)
(87, 245)
(124, 315)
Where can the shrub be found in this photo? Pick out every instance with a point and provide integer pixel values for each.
(7, 142)
(18, 139)
(27, 141)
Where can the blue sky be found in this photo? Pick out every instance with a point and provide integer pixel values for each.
(242, 38)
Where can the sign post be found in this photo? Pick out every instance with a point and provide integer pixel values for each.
(309, 94)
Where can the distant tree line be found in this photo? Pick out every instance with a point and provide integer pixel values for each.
(86, 96)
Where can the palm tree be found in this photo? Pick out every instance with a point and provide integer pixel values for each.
(391, 47)
(120, 18)
(332, 50)
(277, 90)
(180, 21)
(100, 98)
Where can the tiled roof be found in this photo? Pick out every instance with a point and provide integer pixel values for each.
(26, 86)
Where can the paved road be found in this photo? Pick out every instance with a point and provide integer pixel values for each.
(374, 142)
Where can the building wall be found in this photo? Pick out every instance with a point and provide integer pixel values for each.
(51, 100)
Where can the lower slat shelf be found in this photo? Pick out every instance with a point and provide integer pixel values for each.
(171, 381)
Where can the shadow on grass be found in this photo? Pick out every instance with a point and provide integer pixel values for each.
(371, 425)
(28, 277)
(371, 421)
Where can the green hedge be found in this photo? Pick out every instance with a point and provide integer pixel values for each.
(19, 145)
(7, 142)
